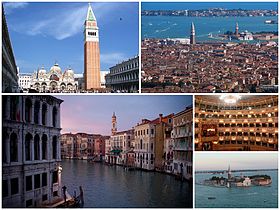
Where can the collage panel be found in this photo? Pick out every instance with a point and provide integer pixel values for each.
(194, 124)
(80, 151)
(209, 47)
(83, 48)
(236, 180)
(236, 122)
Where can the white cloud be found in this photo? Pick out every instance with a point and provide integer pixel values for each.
(112, 58)
(60, 26)
(9, 7)
(64, 24)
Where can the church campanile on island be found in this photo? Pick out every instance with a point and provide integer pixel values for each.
(91, 52)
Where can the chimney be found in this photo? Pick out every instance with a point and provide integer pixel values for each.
(160, 117)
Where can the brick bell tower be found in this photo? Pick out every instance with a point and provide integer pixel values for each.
(114, 124)
(91, 52)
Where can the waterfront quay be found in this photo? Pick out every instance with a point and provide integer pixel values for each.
(113, 186)
(171, 66)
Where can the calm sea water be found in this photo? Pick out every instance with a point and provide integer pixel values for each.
(179, 27)
(112, 186)
(254, 197)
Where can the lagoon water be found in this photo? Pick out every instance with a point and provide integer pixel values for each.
(179, 27)
(112, 186)
(247, 197)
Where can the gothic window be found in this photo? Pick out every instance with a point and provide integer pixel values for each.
(29, 203)
(54, 117)
(54, 147)
(55, 177)
(44, 179)
(141, 144)
(4, 149)
(37, 147)
(14, 186)
(44, 114)
(4, 107)
(28, 183)
(28, 138)
(44, 146)
(13, 148)
(36, 112)
(28, 110)
(5, 191)
(13, 107)
(37, 180)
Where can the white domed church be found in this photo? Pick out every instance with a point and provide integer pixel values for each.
(54, 80)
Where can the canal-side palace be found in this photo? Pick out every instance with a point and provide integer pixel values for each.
(31, 172)
(163, 144)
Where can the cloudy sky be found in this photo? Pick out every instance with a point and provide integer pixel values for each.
(42, 33)
(93, 114)
(242, 160)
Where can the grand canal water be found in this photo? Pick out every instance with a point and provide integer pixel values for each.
(247, 197)
(112, 186)
(179, 27)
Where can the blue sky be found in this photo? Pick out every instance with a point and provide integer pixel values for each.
(42, 33)
(93, 114)
(206, 5)
(241, 160)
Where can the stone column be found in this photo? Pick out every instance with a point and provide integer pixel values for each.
(58, 149)
(49, 120)
(23, 108)
(32, 110)
(40, 114)
(7, 147)
(40, 149)
(7, 114)
(58, 117)
(20, 145)
(23, 144)
(32, 148)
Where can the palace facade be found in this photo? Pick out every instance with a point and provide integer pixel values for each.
(124, 77)
(83, 146)
(31, 171)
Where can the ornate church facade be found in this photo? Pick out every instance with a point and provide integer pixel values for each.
(54, 80)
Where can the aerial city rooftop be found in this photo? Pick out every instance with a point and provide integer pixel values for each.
(230, 61)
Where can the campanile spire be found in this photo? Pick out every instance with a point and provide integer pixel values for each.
(91, 51)
(192, 37)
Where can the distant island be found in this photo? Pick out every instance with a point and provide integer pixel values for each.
(211, 12)
(237, 181)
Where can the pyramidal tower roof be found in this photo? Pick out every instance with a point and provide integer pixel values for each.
(90, 14)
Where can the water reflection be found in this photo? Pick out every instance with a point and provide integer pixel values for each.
(112, 186)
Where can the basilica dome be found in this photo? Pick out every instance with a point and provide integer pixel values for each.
(55, 69)
(69, 72)
(42, 71)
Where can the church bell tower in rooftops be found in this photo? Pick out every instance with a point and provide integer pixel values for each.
(114, 124)
(91, 52)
